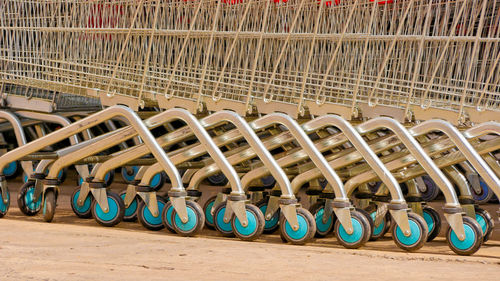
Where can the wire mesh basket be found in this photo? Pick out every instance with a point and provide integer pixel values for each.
(414, 59)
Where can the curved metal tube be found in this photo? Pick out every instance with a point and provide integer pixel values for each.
(257, 145)
(87, 123)
(357, 141)
(308, 146)
(83, 170)
(205, 139)
(464, 146)
(417, 151)
(20, 137)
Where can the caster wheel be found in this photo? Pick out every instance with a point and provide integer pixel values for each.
(272, 224)
(430, 190)
(255, 225)
(322, 228)
(129, 173)
(11, 170)
(268, 182)
(108, 179)
(484, 196)
(471, 243)
(225, 228)
(306, 231)
(114, 214)
(361, 231)
(4, 207)
(418, 236)
(83, 211)
(26, 201)
(166, 217)
(147, 219)
(195, 223)
(209, 217)
(130, 213)
(217, 179)
(380, 230)
(486, 222)
(49, 205)
(433, 221)
(158, 180)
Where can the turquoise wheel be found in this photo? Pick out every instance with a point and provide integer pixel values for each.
(471, 243)
(11, 170)
(115, 212)
(83, 211)
(486, 222)
(158, 180)
(4, 206)
(433, 221)
(129, 173)
(130, 213)
(272, 224)
(26, 199)
(207, 208)
(322, 227)
(223, 227)
(418, 236)
(147, 219)
(255, 226)
(361, 231)
(166, 217)
(195, 223)
(304, 233)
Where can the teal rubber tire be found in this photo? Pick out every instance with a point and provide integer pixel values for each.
(195, 223)
(416, 239)
(473, 238)
(305, 232)
(255, 227)
(360, 234)
(115, 213)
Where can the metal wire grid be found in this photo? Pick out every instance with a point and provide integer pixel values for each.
(430, 53)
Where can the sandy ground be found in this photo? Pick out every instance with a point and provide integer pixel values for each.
(74, 249)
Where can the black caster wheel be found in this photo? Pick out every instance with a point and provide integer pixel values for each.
(26, 200)
(255, 225)
(207, 208)
(473, 238)
(49, 205)
(195, 223)
(115, 211)
(217, 179)
(430, 191)
(418, 236)
(433, 221)
(130, 213)
(322, 227)
(305, 232)
(147, 219)
(361, 231)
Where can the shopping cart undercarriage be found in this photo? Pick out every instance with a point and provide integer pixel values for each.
(373, 107)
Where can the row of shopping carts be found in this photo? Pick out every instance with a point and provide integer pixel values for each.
(347, 99)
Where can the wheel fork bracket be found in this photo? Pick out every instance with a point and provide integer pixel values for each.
(401, 218)
(456, 222)
(150, 201)
(239, 210)
(101, 198)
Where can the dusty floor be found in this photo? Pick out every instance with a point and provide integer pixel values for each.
(74, 249)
